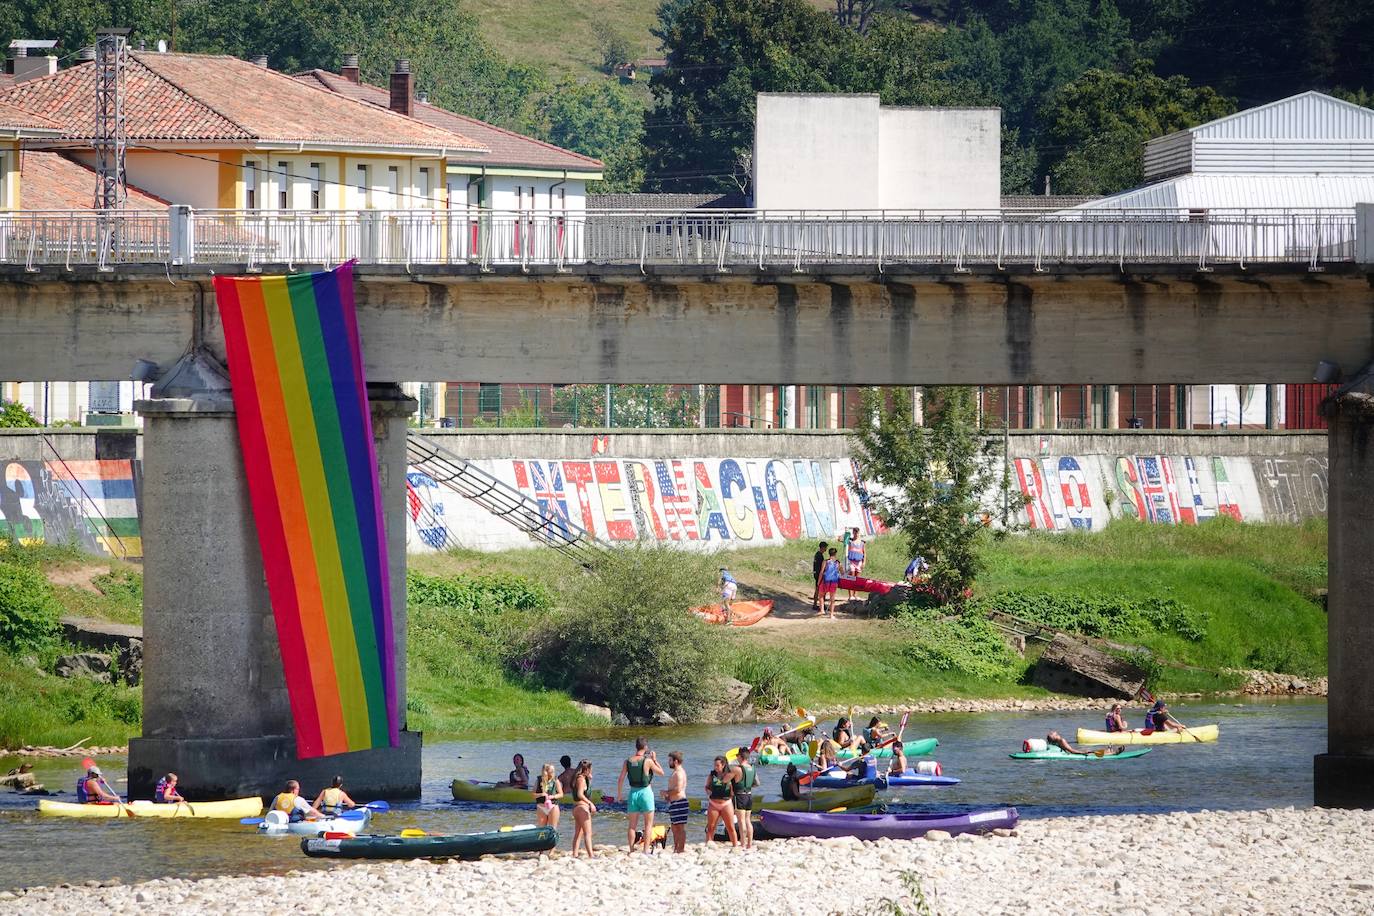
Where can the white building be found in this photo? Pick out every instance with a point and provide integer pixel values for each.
(848, 152)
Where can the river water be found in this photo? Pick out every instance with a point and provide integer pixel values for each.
(1263, 760)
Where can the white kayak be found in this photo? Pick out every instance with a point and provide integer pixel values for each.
(275, 823)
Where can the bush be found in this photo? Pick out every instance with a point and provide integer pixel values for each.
(28, 613)
(626, 638)
(767, 672)
(120, 585)
(471, 630)
(1099, 615)
(968, 643)
(474, 593)
(1285, 656)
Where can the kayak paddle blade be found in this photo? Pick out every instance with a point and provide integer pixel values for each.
(250, 821)
(353, 814)
(377, 806)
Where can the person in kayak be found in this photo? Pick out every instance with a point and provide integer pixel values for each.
(1159, 719)
(825, 755)
(719, 801)
(333, 800)
(1054, 739)
(640, 771)
(565, 778)
(166, 792)
(743, 799)
(518, 778)
(676, 797)
(1115, 721)
(293, 806)
(791, 783)
(817, 564)
(830, 580)
(728, 589)
(844, 735)
(583, 808)
(898, 764)
(876, 733)
(547, 792)
(91, 789)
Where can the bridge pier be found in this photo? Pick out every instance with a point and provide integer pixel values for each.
(1344, 775)
(215, 706)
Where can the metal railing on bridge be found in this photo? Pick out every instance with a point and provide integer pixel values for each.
(712, 239)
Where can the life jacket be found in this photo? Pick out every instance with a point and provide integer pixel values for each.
(1150, 720)
(331, 801)
(747, 783)
(160, 793)
(1111, 724)
(82, 796)
(285, 801)
(638, 773)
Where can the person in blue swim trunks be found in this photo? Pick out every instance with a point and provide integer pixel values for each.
(640, 770)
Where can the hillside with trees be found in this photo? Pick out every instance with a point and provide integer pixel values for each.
(1082, 83)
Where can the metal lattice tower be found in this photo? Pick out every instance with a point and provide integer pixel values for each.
(111, 59)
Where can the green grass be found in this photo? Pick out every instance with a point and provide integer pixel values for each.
(558, 35)
(38, 708)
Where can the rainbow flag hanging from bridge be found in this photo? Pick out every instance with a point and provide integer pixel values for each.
(306, 432)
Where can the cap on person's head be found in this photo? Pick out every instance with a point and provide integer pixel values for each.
(1159, 704)
(93, 771)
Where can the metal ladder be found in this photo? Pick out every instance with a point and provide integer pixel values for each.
(502, 500)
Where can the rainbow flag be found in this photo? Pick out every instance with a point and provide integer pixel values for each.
(306, 432)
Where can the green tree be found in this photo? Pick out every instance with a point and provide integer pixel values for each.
(14, 415)
(1099, 124)
(612, 45)
(634, 406)
(601, 119)
(939, 484)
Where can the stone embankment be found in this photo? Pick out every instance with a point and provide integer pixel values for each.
(1309, 861)
(30, 750)
(1268, 683)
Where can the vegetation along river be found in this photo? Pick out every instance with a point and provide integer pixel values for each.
(1263, 760)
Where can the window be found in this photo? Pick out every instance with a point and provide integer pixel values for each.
(815, 407)
(393, 185)
(250, 171)
(4, 180)
(364, 185)
(423, 186)
(562, 203)
(488, 397)
(316, 186)
(283, 186)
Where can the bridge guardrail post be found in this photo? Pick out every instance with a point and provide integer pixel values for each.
(181, 234)
(1364, 234)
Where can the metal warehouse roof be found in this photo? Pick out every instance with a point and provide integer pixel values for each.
(1246, 190)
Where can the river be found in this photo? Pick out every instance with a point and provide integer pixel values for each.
(1263, 760)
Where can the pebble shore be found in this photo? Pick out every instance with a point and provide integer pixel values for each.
(1310, 861)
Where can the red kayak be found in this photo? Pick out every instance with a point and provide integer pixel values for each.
(742, 613)
(860, 584)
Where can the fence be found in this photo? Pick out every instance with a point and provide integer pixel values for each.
(711, 239)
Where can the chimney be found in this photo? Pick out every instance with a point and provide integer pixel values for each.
(403, 88)
(349, 70)
(422, 96)
(25, 65)
(86, 53)
(260, 60)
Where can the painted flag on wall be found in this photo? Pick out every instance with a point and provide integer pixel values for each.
(306, 432)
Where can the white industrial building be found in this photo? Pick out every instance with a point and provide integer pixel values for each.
(848, 152)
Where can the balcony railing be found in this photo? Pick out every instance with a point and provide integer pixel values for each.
(712, 239)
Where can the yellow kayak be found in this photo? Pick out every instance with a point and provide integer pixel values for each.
(469, 791)
(1194, 735)
(234, 808)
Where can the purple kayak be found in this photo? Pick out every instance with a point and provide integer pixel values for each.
(878, 826)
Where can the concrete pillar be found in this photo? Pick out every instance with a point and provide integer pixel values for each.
(1113, 412)
(1052, 393)
(1344, 776)
(1271, 406)
(215, 707)
(1037, 407)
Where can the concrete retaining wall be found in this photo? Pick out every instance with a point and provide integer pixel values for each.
(711, 488)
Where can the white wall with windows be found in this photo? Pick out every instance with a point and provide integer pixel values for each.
(73, 402)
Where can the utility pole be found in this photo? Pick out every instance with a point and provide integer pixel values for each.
(111, 57)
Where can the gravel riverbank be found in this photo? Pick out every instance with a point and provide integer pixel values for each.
(1277, 861)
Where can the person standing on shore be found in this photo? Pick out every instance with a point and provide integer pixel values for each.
(547, 792)
(743, 799)
(855, 554)
(565, 778)
(830, 580)
(583, 808)
(719, 804)
(676, 797)
(640, 771)
(916, 571)
(728, 589)
(817, 564)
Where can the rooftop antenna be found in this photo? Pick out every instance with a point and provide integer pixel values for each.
(111, 59)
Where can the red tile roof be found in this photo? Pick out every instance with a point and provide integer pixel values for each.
(213, 98)
(15, 118)
(506, 146)
(51, 181)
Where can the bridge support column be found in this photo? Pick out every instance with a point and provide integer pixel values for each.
(1344, 775)
(215, 707)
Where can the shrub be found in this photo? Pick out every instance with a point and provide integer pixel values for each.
(473, 593)
(967, 643)
(1099, 615)
(626, 638)
(28, 613)
(773, 683)
(1285, 656)
(120, 585)
(471, 630)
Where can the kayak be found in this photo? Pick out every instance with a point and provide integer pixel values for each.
(885, 826)
(526, 838)
(913, 778)
(742, 613)
(917, 748)
(818, 798)
(271, 826)
(761, 833)
(467, 790)
(1055, 753)
(232, 809)
(861, 584)
(801, 726)
(1194, 735)
(839, 778)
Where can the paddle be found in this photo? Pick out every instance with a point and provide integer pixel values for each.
(1149, 698)
(357, 814)
(733, 752)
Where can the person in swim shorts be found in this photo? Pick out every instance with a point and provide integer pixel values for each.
(676, 797)
(830, 580)
(640, 770)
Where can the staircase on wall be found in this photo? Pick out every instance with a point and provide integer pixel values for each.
(502, 500)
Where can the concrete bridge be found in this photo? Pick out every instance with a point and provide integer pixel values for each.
(897, 299)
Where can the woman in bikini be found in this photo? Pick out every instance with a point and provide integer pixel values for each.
(720, 805)
(547, 792)
(583, 809)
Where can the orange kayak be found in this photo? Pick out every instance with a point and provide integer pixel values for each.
(742, 613)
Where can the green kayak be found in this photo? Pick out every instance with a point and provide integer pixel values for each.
(459, 846)
(1055, 753)
(915, 748)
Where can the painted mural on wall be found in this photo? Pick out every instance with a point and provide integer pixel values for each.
(93, 503)
(1085, 492)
